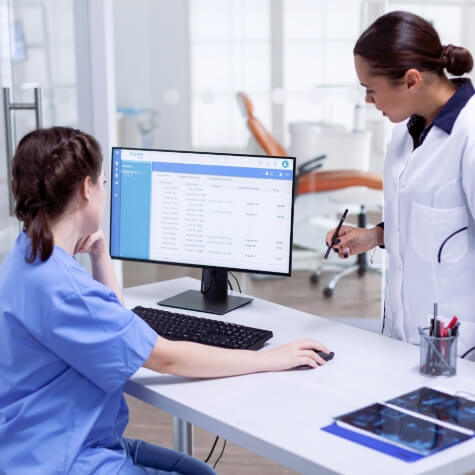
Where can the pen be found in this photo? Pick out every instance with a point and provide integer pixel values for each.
(452, 322)
(335, 235)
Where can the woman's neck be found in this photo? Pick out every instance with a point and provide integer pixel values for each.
(434, 97)
(66, 232)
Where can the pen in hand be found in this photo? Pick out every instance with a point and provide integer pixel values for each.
(335, 235)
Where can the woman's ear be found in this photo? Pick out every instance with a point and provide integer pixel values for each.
(413, 80)
(85, 191)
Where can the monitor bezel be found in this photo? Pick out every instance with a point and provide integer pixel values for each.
(202, 266)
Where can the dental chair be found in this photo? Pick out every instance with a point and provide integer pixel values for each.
(317, 194)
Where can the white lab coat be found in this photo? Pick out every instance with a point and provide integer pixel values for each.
(429, 194)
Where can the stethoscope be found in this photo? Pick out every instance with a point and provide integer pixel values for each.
(439, 254)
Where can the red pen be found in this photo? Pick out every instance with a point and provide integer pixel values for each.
(452, 322)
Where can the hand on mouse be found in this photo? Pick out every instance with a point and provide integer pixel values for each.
(298, 353)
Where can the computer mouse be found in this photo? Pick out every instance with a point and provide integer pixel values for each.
(322, 354)
(325, 356)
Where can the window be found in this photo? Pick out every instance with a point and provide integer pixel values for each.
(230, 52)
(319, 76)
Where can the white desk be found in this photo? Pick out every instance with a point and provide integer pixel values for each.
(279, 415)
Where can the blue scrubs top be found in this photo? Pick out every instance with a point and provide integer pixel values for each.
(67, 346)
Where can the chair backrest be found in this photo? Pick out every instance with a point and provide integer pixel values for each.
(245, 104)
(268, 143)
(263, 137)
(310, 181)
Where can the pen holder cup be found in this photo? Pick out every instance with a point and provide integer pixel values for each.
(438, 354)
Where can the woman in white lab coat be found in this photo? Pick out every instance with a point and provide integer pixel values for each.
(429, 175)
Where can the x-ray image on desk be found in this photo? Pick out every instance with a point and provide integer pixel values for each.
(401, 429)
(444, 407)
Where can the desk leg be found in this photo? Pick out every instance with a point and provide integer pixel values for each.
(182, 436)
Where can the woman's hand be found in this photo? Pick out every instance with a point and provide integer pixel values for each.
(94, 244)
(291, 355)
(352, 240)
(185, 358)
(102, 268)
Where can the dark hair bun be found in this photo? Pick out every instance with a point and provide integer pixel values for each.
(458, 60)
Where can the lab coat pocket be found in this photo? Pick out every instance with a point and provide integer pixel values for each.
(438, 235)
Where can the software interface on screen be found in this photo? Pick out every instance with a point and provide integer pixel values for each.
(210, 210)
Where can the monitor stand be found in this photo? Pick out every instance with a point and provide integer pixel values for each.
(213, 297)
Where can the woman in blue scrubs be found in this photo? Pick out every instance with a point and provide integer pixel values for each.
(67, 342)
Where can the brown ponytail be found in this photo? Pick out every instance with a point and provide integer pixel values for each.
(399, 41)
(48, 168)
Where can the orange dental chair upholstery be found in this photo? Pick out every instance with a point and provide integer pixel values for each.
(309, 179)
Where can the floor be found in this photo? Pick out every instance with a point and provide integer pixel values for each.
(356, 301)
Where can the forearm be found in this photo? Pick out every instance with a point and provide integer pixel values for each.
(202, 361)
(103, 271)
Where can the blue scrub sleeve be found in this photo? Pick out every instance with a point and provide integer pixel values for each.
(97, 336)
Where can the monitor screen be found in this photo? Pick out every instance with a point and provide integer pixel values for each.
(224, 211)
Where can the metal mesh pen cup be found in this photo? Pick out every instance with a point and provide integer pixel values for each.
(438, 354)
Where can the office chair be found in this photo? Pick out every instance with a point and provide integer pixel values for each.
(309, 179)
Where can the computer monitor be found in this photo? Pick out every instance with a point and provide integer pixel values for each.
(222, 212)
